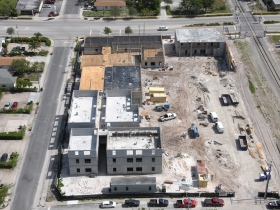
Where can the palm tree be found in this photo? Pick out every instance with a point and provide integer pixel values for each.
(37, 36)
(34, 45)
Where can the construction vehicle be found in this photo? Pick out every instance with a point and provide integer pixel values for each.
(194, 131)
(243, 142)
(274, 205)
(162, 107)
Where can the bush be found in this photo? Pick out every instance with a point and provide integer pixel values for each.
(13, 135)
(3, 194)
(0, 94)
(266, 13)
(213, 24)
(77, 46)
(168, 8)
(10, 164)
(43, 53)
(96, 18)
(27, 40)
(205, 15)
(228, 23)
(14, 89)
(271, 21)
(55, 15)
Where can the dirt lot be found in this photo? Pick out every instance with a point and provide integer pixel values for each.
(227, 163)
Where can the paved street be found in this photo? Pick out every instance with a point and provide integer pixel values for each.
(35, 155)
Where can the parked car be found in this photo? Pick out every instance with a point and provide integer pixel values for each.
(186, 203)
(47, 6)
(108, 204)
(215, 202)
(51, 14)
(4, 157)
(158, 203)
(15, 105)
(131, 203)
(168, 116)
(89, 8)
(12, 155)
(274, 205)
(50, 1)
(7, 105)
(163, 28)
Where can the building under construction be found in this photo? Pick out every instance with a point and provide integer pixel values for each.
(146, 51)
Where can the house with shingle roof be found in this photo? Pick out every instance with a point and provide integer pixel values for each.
(106, 5)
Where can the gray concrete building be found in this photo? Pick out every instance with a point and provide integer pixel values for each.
(134, 151)
(29, 7)
(124, 78)
(83, 151)
(119, 110)
(199, 41)
(275, 5)
(147, 51)
(6, 79)
(83, 109)
(133, 185)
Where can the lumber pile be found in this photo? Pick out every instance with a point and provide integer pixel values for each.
(260, 153)
(251, 153)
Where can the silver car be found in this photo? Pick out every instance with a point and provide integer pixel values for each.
(47, 6)
(7, 105)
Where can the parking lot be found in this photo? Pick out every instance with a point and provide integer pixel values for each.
(45, 11)
(11, 122)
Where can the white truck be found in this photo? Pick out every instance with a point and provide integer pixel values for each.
(167, 116)
(163, 28)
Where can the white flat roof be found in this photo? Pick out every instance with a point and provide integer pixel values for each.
(82, 142)
(82, 109)
(199, 35)
(136, 140)
(118, 109)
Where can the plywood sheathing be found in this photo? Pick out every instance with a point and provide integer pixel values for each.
(92, 78)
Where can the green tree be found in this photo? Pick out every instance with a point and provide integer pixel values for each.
(4, 9)
(115, 11)
(132, 11)
(19, 67)
(10, 31)
(19, 83)
(29, 84)
(169, 1)
(73, 62)
(128, 30)
(207, 4)
(34, 45)
(107, 30)
(37, 36)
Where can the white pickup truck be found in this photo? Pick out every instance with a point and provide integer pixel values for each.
(163, 28)
(167, 116)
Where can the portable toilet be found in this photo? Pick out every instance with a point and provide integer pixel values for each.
(262, 177)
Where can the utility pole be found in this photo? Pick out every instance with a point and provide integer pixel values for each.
(267, 180)
(144, 28)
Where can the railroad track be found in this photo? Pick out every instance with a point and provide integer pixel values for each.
(260, 47)
(268, 142)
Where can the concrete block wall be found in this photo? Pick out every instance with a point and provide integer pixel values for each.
(119, 163)
(144, 188)
(148, 64)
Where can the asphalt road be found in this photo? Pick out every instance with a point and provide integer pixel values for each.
(26, 187)
(72, 28)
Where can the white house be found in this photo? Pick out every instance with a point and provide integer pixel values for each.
(106, 5)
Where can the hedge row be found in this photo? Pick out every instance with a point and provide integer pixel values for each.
(18, 111)
(266, 13)
(14, 89)
(13, 135)
(10, 164)
(0, 94)
(271, 21)
(206, 15)
(128, 18)
(27, 39)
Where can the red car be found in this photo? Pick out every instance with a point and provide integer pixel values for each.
(51, 14)
(15, 105)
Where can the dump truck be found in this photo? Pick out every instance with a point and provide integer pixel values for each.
(216, 202)
(185, 203)
(243, 142)
(158, 203)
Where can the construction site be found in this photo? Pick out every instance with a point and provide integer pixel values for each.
(196, 156)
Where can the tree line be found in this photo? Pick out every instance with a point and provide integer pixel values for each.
(195, 6)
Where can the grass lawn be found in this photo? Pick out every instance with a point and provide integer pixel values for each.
(32, 77)
(276, 38)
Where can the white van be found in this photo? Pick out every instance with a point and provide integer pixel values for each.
(214, 116)
(219, 127)
(163, 28)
